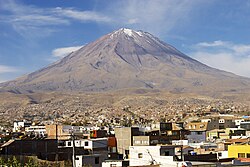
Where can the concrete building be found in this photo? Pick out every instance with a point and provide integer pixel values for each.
(164, 156)
(174, 131)
(238, 122)
(222, 154)
(21, 125)
(124, 137)
(94, 151)
(93, 160)
(235, 133)
(223, 145)
(239, 151)
(88, 144)
(154, 140)
(220, 122)
(149, 155)
(245, 125)
(44, 149)
(199, 126)
(98, 133)
(180, 142)
(196, 136)
(115, 163)
(39, 131)
(214, 134)
(62, 132)
(162, 126)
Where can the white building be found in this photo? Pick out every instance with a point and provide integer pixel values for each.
(148, 155)
(238, 122)
(115, 163)
(180, 142)
(98, 151)
(222, 154)
(93, 160)
(21, 125)
(36, 130)
(89, 143)
(164, 155)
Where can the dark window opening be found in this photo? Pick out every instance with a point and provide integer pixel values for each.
(139, 155)
(96, 160)
(241, 155)
(166, 153)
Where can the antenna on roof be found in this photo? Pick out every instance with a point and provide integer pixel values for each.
(152, 162)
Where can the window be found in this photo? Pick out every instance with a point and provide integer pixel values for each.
(174, 133)
(77, 158)
(166, 153)
(86, 143)
(96, 160)
(248, 155)
(140, 155)
(137, 142)
(199, 133)
(126, 154)
(69, 143)
(62, 144)
(241, 155)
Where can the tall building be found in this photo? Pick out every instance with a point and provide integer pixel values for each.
(124, 137)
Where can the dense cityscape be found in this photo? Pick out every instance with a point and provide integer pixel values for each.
(127, 83)
(212, 139)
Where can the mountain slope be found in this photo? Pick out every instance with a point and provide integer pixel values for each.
(128, 59)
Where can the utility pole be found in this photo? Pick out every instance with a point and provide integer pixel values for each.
(56, 158)
(73, 151)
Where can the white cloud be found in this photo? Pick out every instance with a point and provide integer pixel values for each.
(81, 15)
(62, 52)
(213, 44)
(155, 16)
(224, 55)
(31, 21)
(7, 69)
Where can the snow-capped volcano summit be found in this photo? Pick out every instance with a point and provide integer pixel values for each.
(128, 32)
(127, 58)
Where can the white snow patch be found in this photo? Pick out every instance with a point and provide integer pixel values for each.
(128, 31)
(139, 33)
(111, 36)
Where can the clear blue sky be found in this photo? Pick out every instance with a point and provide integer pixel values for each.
(35, 33)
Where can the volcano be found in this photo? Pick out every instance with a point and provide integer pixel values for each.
(125, 59)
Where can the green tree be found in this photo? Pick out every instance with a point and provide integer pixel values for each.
(1, 161)
(15, 162)
(9, 162)
(31, 163)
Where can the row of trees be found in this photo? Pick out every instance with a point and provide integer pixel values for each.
(13, 162)
(30, 161)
